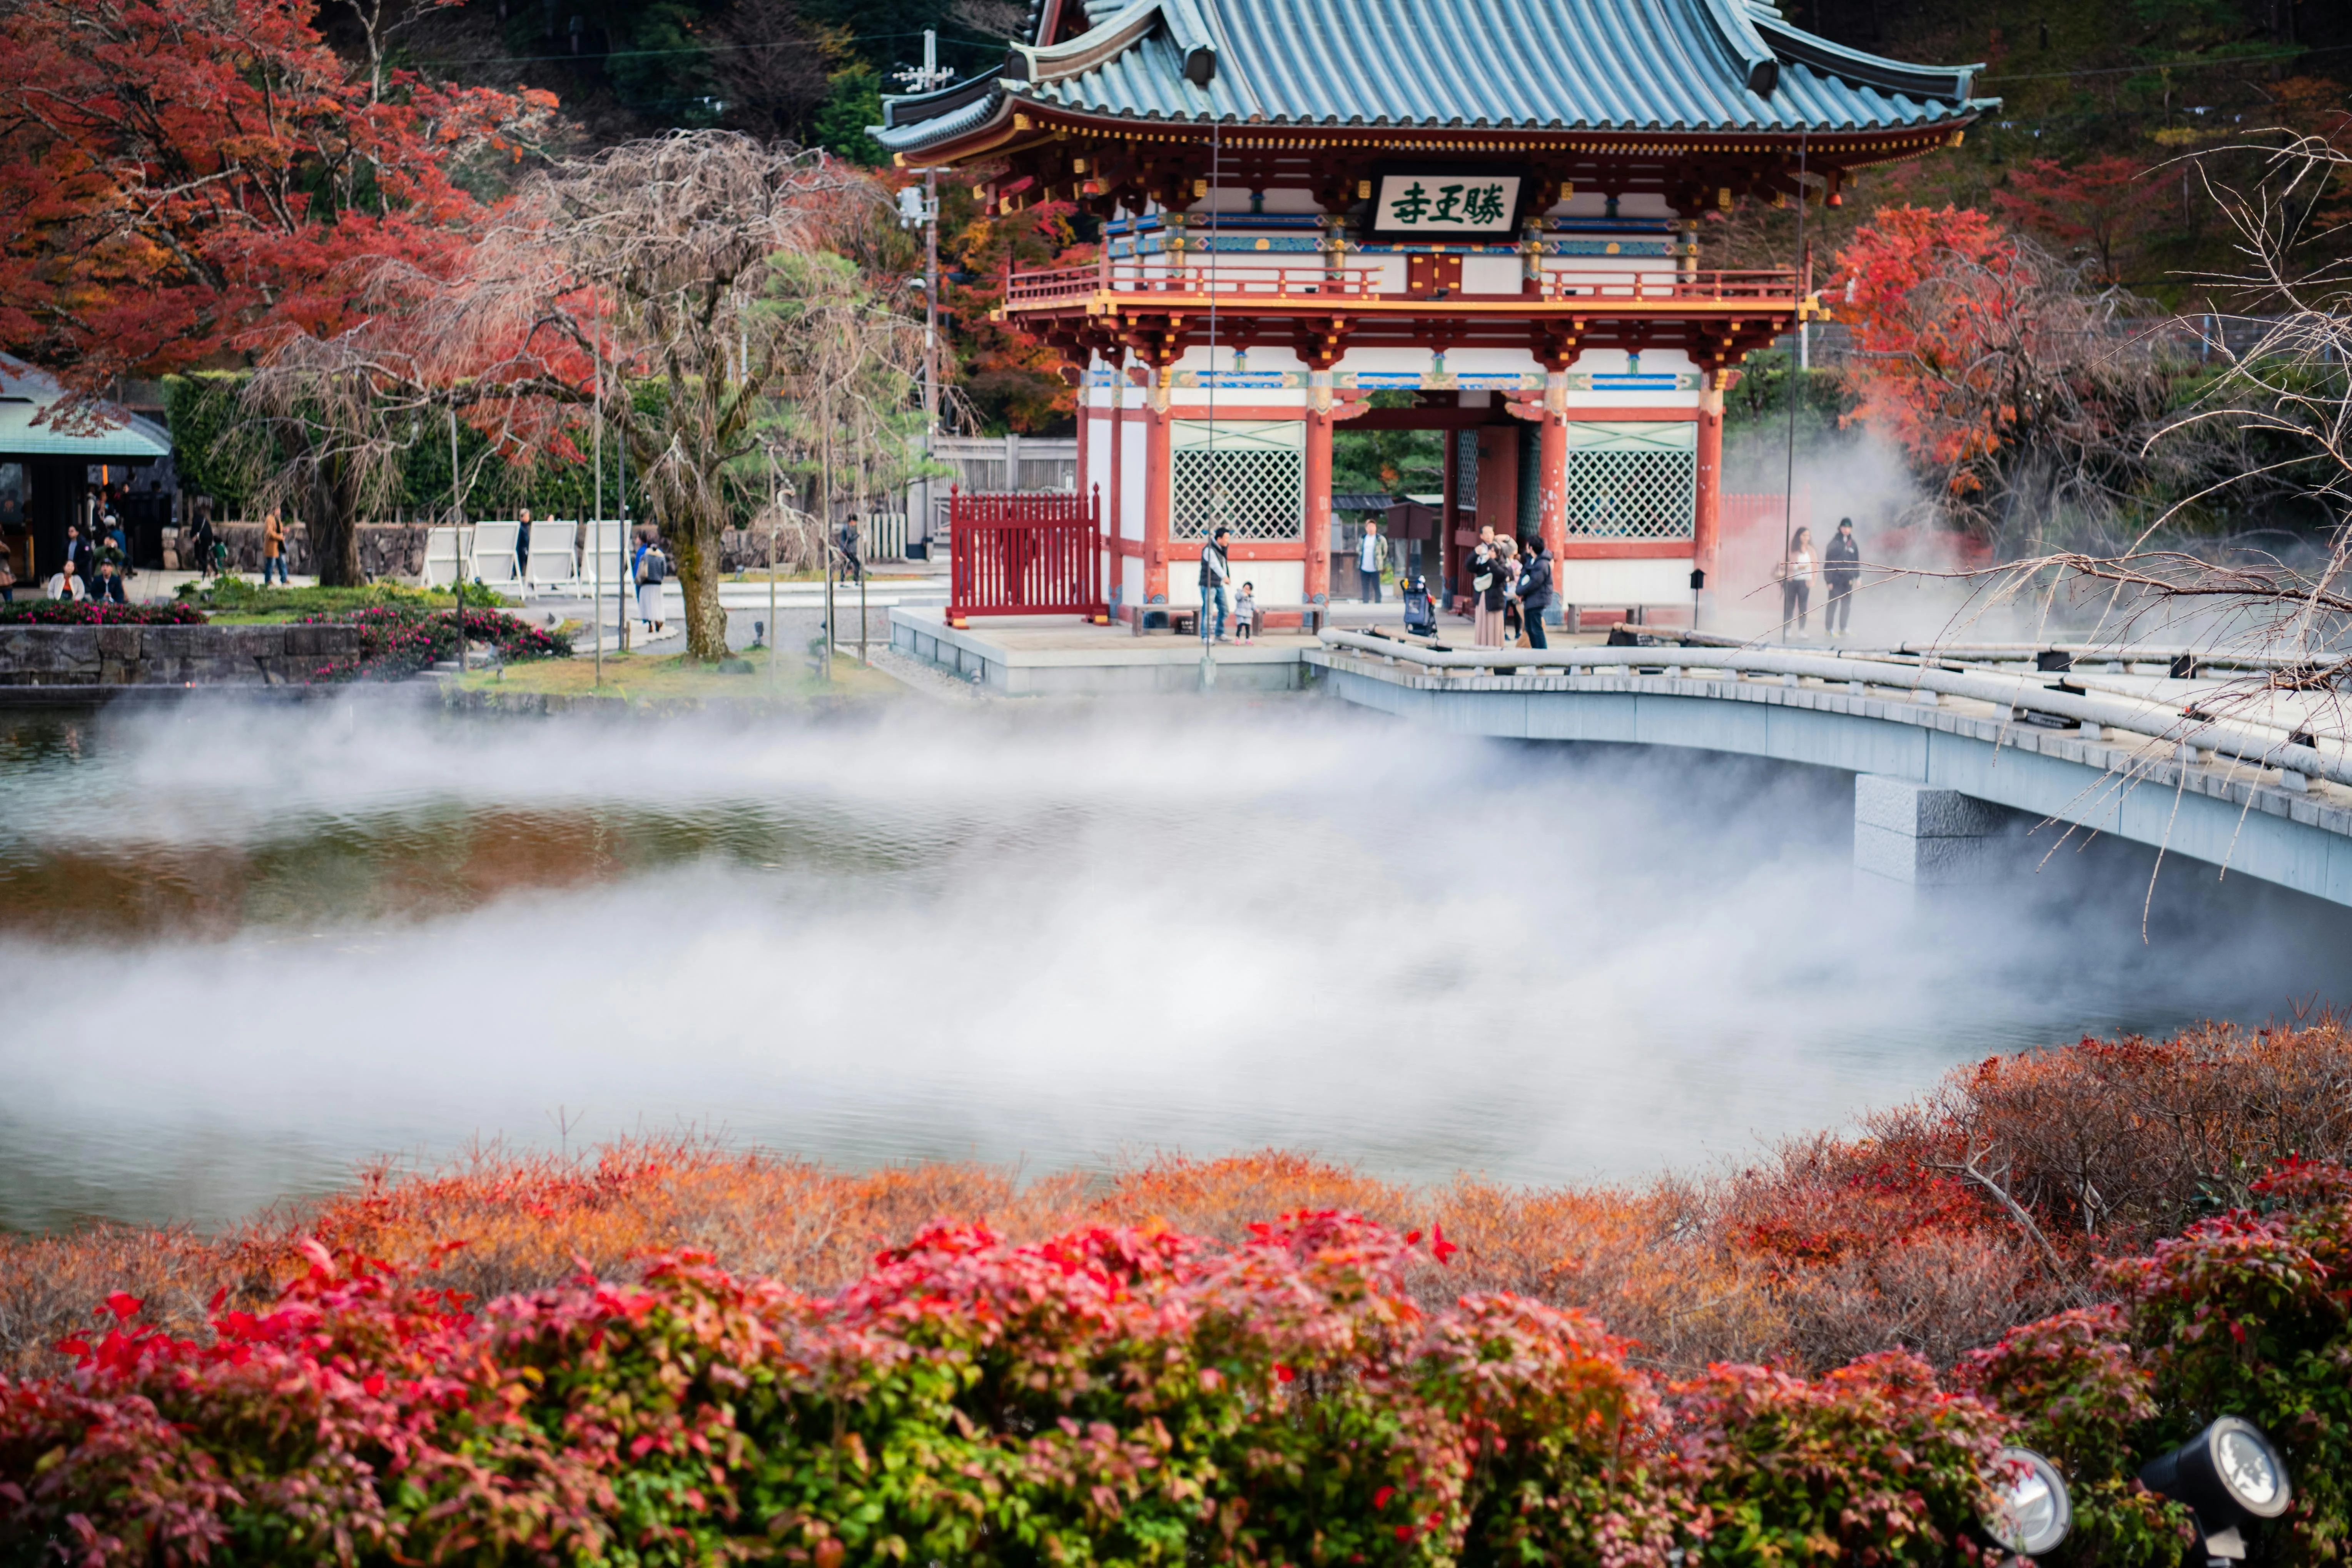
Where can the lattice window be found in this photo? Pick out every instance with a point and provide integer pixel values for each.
(1633, 481)
(1248, 477)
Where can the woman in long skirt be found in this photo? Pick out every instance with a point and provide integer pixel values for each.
(1490, 587)
(651, 567)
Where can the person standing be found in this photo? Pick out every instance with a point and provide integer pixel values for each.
(1371, 556)
(1490, 589)
(1244, 612)
(7, 573)
(273, 548)
(205, 542)
(522, 544)
(854, 569)
(1797, 581)
(650, 569)
(76, 568)
(1840, 568)
(1216, 567)
(1535, 593)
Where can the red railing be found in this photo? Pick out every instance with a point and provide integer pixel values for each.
(1034, 552)
(1304, 280)
(1668, 288)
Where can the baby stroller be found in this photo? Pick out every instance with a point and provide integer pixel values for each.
(1420, 611)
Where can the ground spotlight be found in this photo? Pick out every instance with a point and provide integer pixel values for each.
(2032, 1512)
(2228, 1474)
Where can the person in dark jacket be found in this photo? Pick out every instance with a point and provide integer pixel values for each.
(847, 541)
(1216, 566)
(80, 564)
(1534, 592)
(1841, 567)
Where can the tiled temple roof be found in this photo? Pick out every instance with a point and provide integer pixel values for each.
(1719, 65)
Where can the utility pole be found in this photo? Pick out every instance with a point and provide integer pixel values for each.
(929, 79)
(457, 540)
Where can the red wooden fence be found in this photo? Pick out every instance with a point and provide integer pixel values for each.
(1034, 553)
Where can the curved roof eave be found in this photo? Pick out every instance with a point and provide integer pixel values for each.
(1645, 66)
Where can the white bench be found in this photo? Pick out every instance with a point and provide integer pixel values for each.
(445, 552)
(491, 561)
(554, 564)
(603, 562)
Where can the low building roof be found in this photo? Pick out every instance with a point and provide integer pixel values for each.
(1724, 66)
(36, 422)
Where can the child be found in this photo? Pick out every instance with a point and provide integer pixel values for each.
(1245, 612)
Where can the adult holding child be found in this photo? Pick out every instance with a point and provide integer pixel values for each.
(1489, 590)
(1216, 569)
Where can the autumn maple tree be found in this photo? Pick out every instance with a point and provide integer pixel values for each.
(2101, 206)
(186, 182)
(180, 179)
(2008, 382)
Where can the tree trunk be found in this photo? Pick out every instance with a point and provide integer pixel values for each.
(334, 538)
(332, 523)
(695, 541)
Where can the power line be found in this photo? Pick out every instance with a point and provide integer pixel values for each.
(2206, 62)
(657, 54)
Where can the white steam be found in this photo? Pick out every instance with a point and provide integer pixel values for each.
(1026, 935)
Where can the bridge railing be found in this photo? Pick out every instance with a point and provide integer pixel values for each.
(2194, 727)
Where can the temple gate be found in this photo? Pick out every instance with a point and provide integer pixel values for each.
(1490, 204)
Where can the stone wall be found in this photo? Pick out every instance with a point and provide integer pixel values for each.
(397, 550)
(170, 656)
(393, 549)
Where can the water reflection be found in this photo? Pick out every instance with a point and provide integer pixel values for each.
(246, 947)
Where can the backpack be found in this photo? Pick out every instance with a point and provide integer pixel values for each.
(653, 568)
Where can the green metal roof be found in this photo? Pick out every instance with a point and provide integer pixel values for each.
(1557, 64)
(97, 433)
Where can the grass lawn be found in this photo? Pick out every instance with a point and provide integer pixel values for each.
(668, 677)
(234, 602)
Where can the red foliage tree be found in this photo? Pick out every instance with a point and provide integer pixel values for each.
(182, 178)
(2102, 207)
(1984, 357)
(1005, 372)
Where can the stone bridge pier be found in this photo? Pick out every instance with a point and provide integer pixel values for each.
(1914, 834)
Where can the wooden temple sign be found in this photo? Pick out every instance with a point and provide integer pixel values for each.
(1445, 204)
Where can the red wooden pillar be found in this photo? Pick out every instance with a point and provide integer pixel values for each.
(1552, 472)
(1159, 472)
(1706, 523)
(1319, 501)
(1114, 525)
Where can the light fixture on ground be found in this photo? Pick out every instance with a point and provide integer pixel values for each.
(2032, 1509)
(2230, 1475)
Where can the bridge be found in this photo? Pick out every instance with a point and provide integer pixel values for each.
(1954, 750)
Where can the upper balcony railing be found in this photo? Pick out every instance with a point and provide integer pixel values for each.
(1300, 280)
(1158, 280)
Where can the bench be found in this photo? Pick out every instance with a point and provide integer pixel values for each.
(1184, 620)
(553, 567)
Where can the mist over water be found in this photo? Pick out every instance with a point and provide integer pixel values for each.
(250, 947)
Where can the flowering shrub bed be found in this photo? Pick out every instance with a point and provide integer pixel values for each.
(398, 640)
(550, 1363)
(1105, 1396)
(91, 613)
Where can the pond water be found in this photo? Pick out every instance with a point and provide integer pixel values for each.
(246, 947)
